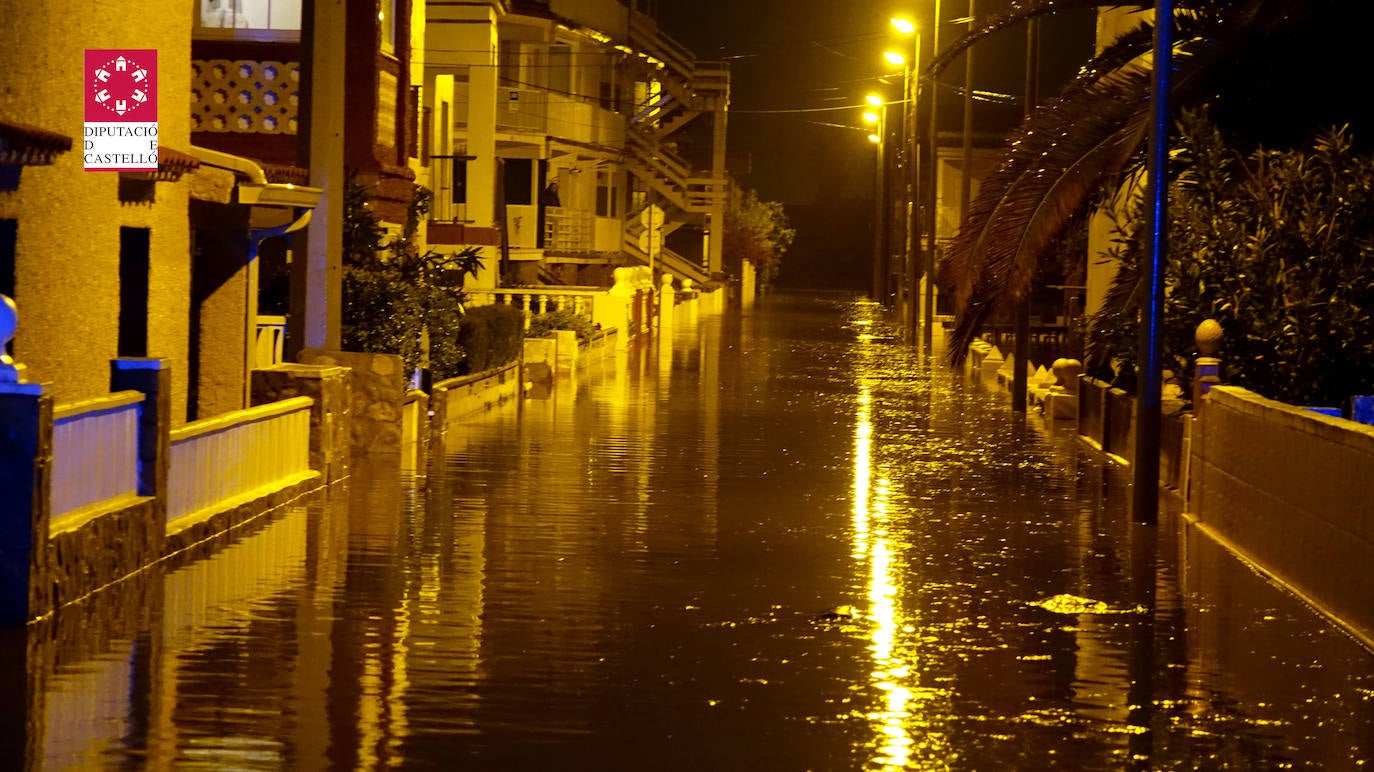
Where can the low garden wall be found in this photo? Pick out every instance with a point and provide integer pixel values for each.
(378, 385)
(455, 399)
(188, 484)
(1289, 490)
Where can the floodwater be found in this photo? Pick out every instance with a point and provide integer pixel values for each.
(775, 541)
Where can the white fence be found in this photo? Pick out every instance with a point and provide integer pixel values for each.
(538, 301)
(237, 454)
(95, 451)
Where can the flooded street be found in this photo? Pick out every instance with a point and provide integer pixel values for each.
(775, 541)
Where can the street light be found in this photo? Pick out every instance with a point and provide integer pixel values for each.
(877, 118)
(911, 87)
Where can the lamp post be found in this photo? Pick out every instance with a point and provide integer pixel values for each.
(931, 188)
(880, 230)
(911, 230)
(1145, 488)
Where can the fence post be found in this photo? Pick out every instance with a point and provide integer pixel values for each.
(667, 296)
(330, 417)
(153, 377)
(25, 484)
(1207, 369)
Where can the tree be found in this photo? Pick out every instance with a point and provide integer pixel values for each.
(395, 296)
(1265, 67)
(756, 231)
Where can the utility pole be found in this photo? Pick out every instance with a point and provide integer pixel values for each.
(966, 176)
(1021, 355)
(317, 262)
(1150, 375)
(932, 197)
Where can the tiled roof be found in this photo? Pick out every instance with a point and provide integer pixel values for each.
(281, 175)
(174, 163)
(24, 145)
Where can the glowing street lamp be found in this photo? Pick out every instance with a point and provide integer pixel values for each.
(874, 138)
(894, 58)
(904, 25)
(875, 100)
(870, 117)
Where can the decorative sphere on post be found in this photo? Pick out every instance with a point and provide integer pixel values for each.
(1208, 337)
(9, 321)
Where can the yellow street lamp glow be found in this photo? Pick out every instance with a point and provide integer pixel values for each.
(874, 138)
(904, 26)
(893, 58)
(870, 117)
(875, 100)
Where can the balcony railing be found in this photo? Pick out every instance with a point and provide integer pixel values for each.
(569, 230)
(522, 110)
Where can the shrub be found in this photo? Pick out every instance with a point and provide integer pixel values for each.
(543, 324)
(491, 336)
(1276, 245)
(393, 292)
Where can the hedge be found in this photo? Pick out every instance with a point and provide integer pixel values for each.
(491, 336)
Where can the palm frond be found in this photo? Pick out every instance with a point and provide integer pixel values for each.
(1059, 157)
(1018, 15)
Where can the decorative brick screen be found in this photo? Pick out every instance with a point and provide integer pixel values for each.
(244, 96)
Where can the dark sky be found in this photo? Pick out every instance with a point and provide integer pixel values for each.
(800, 54)
(806, 54)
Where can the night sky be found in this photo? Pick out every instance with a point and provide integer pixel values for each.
(806, 54)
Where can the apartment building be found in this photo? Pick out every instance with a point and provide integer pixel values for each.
(552, 128)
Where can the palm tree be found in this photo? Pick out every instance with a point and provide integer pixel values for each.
(1271, 71)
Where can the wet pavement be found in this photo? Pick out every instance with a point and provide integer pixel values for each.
(775, 541)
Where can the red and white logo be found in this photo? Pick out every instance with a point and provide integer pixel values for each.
(121, 110)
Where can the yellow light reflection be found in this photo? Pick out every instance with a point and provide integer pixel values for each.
(894, 636)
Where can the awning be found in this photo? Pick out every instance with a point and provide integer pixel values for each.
(24, 145)
(255, 187)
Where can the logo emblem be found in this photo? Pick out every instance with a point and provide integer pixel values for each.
(121, 110)
(121, 85)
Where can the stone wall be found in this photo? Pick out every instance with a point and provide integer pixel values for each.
(378, 387)
(1289, 489)
(330, 417)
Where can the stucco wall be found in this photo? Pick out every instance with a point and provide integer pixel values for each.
(66, 277)
(1291, 489)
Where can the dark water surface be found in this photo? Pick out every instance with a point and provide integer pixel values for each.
(633, 573)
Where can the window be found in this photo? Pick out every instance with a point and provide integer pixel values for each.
(606, 195)
(460, 180)
(133, 292)
(252, 19)
(9, 240)
(386, 16)
(519, 181)
(560, 69)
